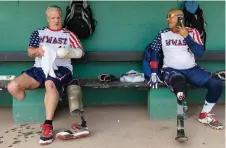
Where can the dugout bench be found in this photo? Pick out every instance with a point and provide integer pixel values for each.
(161, 103)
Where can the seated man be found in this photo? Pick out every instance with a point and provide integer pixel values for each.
(179, 46)
(65, 45)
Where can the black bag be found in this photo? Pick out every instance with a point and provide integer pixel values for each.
(79, 19)
(196, 21)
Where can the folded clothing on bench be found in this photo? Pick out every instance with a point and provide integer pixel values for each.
(132, 76)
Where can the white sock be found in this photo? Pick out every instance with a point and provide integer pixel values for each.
(207, 107)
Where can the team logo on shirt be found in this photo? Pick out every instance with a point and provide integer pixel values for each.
(53, 40)
(175, 42)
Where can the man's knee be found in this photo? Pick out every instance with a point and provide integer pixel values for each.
(214, 83)
(13, 88)
(51, 91)
(178, 83)
(50, 85)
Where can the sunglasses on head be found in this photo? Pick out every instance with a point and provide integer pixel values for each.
(172, 15)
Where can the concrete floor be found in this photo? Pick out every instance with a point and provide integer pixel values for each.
(116, 126)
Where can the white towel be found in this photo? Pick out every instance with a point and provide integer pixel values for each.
(48, 59)
(132, 76)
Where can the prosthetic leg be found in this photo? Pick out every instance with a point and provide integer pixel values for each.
(179, 86)
(74, 93)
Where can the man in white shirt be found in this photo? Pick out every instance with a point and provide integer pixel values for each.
(179, 46)
(65, 45)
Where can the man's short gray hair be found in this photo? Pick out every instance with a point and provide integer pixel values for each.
(53, 7)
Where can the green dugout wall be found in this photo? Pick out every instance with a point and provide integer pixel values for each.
(122, 26)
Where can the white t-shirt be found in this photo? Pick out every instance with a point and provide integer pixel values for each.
(175, 50)
(54, 39)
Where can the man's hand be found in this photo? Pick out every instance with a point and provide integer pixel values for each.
(183, 31)
(35, 52)
(153, 81)
(40, 51)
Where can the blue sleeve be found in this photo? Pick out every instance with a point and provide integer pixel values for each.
(34, 39)
(195, 48)
(156, 47)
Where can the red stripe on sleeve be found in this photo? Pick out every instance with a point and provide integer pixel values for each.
(198, 37)
(75, 39)
(72, 43)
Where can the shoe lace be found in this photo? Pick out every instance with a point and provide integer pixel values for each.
(46, 129)
(75, 127)
(212, 116)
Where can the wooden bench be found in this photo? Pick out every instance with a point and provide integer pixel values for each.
(31, 110)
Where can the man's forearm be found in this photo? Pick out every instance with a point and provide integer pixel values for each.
(196, 48)
(154, 61)
(70, 53)
(76, 53)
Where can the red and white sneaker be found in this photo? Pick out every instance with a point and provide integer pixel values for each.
(209, 119)
(76, 131)
(47, 134)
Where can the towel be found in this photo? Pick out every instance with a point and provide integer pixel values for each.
(132, 76)
(48, 59)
